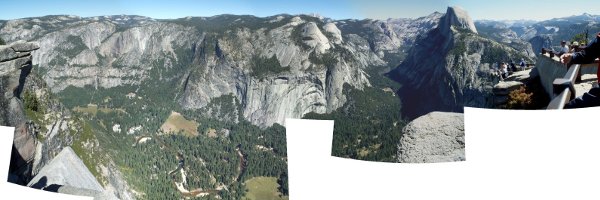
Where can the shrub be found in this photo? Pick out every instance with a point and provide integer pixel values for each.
(31, 101)
(520, 99)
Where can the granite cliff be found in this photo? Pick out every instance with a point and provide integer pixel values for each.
(450, 66)
(15, 66)
(275, 67)
(43, 127)
(231, 68)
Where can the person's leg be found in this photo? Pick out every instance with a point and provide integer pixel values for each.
(598, 73)
(589, 99)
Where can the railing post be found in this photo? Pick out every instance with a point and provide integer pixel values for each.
(564, 89)
(560, 84)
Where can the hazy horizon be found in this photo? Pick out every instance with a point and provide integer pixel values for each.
(124, 14)
(538, 10)
(335, 9)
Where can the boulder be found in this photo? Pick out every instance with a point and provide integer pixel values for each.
(522, 76)
(6, 53)
(23, 46)
(435, 137)
(505, 87)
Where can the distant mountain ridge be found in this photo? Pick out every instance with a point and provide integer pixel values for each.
(202, 58)
(546, 33)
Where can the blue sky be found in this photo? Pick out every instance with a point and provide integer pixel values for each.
(337, 9)
(527, 9)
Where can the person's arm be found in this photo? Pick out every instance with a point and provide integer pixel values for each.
(587, 55)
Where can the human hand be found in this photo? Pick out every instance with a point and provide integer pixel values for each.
(566, 58)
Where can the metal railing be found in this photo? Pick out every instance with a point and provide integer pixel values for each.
(564, 89)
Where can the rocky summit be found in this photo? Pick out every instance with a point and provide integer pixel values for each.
(435, 137)
(458, 18)
(450, 66)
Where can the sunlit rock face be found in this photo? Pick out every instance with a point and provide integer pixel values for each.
(208, 62)
(435, 137)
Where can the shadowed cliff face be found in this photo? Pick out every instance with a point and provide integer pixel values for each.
(15, 66)
(427, 76)
(449, 67)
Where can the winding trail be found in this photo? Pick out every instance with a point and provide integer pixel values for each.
(198, 192)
